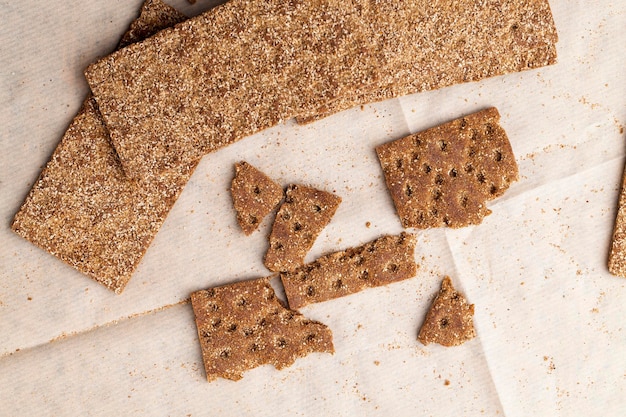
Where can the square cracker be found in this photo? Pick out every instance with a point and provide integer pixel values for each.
(383, 261)
(254, 195)
(83, 209)
(438, 43)
(243, 325)
(299, 221)
(444, 175)
(449, 322)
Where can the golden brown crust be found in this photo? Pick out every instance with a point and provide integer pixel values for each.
(444, 175)
(153, 17)
(84, 210)
(243, 325)
(449, 322)
(254, 195)
(383, 261)
(438, 43)
(299, 221)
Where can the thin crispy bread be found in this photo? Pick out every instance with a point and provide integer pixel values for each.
(617, 253)
(439, 43)
(82, 208)
(299, 221)
(383, 261)
(239, 68)
(243, 325)
(254, 195)
(443, 176)
(449, 322)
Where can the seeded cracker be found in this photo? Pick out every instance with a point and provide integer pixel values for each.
(449, 322)
(300, 219)
(439, 43)
(239, 68)
(82, 209)
(444, 175)
(383, 261)
(254, 194)
(243, 325)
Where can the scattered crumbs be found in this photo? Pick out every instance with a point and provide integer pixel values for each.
(522, 283)
(595, 310)
(30, 298)
(368, 224)
(446, 382)
(551, 366)
(377, 363)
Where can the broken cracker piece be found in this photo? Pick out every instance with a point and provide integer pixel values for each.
(449, 322)
(254, 194)
(83, 209)
(244, 325)
(444, 175)
(383, 261)
(300, 219)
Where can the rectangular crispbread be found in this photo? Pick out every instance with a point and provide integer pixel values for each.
(439, 43)
(444, 175)
(237, 69)
(83, 209)
(383, 261)
(617, 252)
(244, 325)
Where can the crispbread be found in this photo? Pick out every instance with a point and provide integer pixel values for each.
(243, 325)
(239, 68)
(82, 208)
(440, 43)
(449, 322)
(617, 253)
(444, 175)
(300, 219)
(254, 194)
(383, 261)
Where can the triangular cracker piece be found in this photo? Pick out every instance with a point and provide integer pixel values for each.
(449, 320)
(383, 261)
(243, 325)
(300, 219)
(254, 194)
(443, 176)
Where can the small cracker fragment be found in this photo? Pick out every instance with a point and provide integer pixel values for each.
(380, 262)
(449, 322)
(83, 209)
(617, 253)
(300, 219)
(254, 194)
(244, 325)
(444, 175)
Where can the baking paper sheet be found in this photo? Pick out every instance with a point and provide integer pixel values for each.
(548, 314)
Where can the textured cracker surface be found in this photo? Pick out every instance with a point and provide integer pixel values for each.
(439, 43)
(299, 221)
(383, 261)
(235, 70)
(243, 325)
(449, 322)
(444, 175)
(83, 209)
(254, 195)
(617, 253)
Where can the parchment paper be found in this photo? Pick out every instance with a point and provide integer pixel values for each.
(549, 316)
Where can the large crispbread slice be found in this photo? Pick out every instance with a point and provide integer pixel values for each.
(383, 261)
(443, 176)
(243, 325)
(254, 195)
(439, 43)
(299, 221)
(83, 209)
(449, 322)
